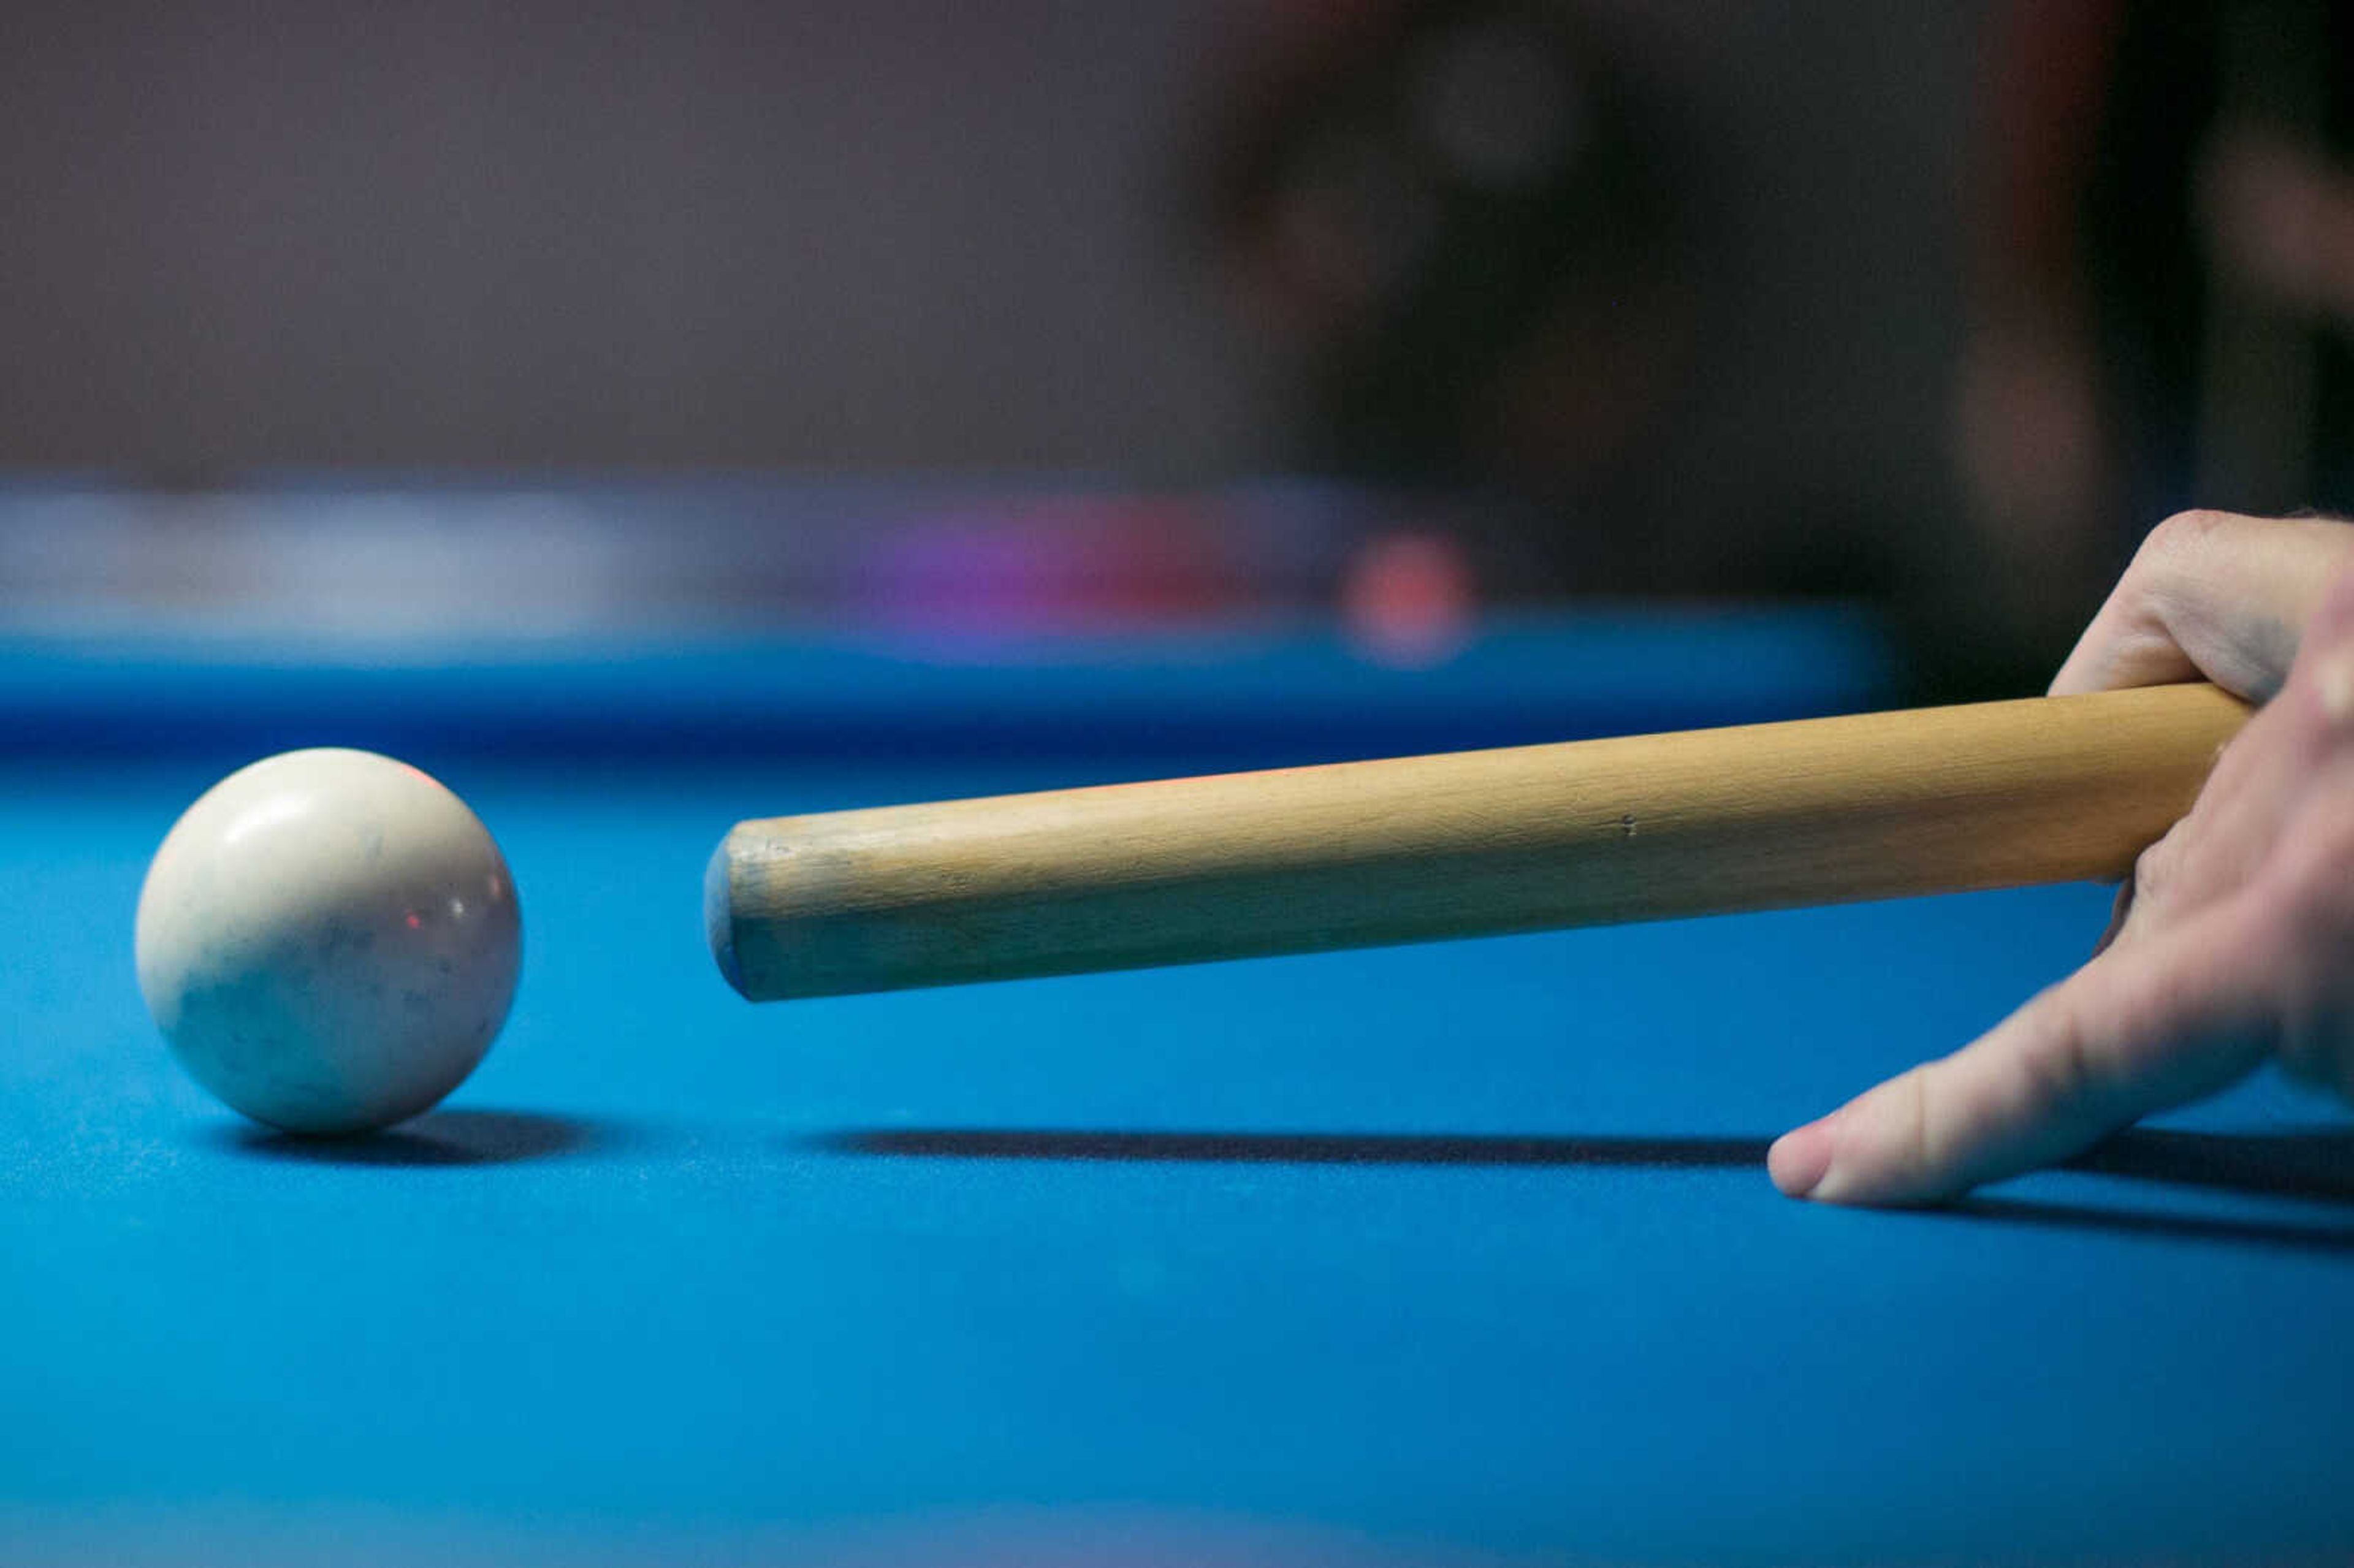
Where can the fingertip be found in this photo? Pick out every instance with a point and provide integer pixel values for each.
(1869, 1153)
(1801, 1158)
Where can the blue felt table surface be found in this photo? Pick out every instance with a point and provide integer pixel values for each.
(1251, 690)
(1456, 1253)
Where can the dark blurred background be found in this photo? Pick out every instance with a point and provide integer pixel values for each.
(1178, 308)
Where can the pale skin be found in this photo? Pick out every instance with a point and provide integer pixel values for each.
(2232, 944)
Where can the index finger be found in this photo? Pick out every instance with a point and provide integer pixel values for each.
(2210, 593)
(2143, 1026)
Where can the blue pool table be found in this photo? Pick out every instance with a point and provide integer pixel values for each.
(1453, 1255)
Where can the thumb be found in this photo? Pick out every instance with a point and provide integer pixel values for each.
(2145, 1025)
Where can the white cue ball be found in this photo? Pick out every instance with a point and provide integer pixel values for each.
(329, 939)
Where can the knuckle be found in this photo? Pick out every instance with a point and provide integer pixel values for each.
(1915, 1153)
(1885, 1146)
(2175, 555)
(2059, 1073)
(2185, 532)
(2153, 874)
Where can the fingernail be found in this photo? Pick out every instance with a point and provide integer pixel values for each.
(1798, 1161)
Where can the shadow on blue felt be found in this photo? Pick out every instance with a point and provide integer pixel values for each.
(2314, 1167)
(2337, 1239)
(1291, 1147)
(437, 1138)
(2316, 1164)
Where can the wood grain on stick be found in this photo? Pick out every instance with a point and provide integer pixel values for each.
(1468, 844)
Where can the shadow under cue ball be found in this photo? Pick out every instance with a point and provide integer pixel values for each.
(330, 941)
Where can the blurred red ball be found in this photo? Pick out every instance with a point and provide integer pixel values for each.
(1408, 598)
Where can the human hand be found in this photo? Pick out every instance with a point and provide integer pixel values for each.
(2233, 942)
